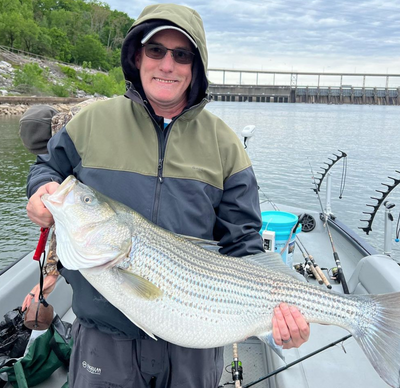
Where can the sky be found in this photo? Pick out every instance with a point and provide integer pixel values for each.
(291, 35)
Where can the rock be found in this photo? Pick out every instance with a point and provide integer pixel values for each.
(4, 64)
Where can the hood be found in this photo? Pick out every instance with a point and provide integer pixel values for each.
(168, 14)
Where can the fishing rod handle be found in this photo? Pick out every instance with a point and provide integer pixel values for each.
(342, 279)
(320, 273)
(315, 273)
(323, 277)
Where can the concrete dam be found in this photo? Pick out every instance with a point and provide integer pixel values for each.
(387, 92)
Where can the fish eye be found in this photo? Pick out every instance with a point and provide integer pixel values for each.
(87, 199)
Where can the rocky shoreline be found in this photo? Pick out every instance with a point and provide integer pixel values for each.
(17, 106)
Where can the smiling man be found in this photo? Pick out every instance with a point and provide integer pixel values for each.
(160, 152)
(165, 66)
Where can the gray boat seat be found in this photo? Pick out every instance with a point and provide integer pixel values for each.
(375, 274)
(69, 316)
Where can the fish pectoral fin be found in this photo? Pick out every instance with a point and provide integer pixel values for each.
(141, 286)
(268, 339)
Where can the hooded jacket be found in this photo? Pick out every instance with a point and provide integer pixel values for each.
(193, 178)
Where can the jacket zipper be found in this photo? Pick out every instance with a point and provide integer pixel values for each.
(162, 141)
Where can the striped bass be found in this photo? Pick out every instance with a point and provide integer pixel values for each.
(173, 288)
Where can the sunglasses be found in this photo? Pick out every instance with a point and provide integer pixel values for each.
(158, 51)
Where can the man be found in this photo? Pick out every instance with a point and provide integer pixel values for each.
(161, 153)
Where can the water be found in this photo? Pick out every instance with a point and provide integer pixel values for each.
(289, 137)
(17, 233)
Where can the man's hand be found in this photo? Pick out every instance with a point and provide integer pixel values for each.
(289, 328)
(49, 283)
(35, 208)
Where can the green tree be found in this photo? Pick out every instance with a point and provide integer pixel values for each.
(89, 49)
(29, 34)
(43, 43)
(114, 57)
(10, 27)
(61, 48)
(9, 6)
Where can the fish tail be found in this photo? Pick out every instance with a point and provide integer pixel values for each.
(378, 333)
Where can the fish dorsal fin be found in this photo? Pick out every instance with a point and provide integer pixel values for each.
(141, 286)
(210, 245)
(272, 261)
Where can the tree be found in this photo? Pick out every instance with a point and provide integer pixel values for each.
(98, 17)
(89, 49)
(43, 44)
(29, 34)
(8, 6)
(10, 27)
(61, 47)
(118, 25)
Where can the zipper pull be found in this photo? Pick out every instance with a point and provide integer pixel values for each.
(160, 167)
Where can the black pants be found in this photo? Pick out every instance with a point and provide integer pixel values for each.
(100, 360)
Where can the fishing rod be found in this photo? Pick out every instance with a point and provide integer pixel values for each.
(320, 273)
(279, 370)
(237, 369)
(340, 274)
(317, 268)
(310, 264)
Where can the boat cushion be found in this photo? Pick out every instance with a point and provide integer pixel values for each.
(375, 274)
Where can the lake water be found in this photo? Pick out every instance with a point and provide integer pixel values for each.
(288, 138)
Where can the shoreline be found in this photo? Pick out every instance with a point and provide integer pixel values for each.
(18, 105)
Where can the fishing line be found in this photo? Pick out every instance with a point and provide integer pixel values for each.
(267, 199)
(344, 175)
(297, 361)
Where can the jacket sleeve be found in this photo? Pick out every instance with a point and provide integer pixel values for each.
(239, 216)
(61, 161)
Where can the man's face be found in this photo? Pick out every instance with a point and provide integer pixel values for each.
(165, 81)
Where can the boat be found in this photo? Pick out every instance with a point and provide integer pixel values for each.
(331, 357)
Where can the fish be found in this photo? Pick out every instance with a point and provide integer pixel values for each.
(181, 289)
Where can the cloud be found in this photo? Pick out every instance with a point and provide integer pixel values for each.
(291, 33)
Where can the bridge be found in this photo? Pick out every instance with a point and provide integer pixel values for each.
(304, 87)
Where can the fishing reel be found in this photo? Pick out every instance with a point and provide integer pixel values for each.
(14, 336)
(300, 268)
(237, 370)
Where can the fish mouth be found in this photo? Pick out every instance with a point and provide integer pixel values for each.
(58, 197)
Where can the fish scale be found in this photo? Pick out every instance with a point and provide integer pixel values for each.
(175, 289)
(239, 293)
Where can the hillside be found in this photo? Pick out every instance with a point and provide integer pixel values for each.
(25, 74)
